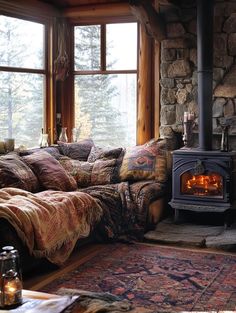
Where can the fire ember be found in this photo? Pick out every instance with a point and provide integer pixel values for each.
(202, 185)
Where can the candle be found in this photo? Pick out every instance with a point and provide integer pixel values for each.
(185, 116)
(12, 291)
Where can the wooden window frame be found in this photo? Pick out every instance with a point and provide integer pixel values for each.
(148, 98)
(103, 70)
(32, 14)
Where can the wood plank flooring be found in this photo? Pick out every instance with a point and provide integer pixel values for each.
(41, 278)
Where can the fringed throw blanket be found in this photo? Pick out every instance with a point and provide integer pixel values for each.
(49, 222)
(125, 208)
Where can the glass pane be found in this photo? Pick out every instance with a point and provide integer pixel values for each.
(87, 47)
(22, 106)
(122, 46)
(209, 185)
(21, 43)
(105, 108)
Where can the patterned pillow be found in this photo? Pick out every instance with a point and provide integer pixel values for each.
(15, 173)
(81, 171)
(144, 162)
(77, 150)
(167, 145)
(104, 172)
(54, 151)
(97, 153)
(50, 173)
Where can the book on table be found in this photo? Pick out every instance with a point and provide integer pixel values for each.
(42, 302)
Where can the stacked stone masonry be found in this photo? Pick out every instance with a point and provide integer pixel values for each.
(179, 68)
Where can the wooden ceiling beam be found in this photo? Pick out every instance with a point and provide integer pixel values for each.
(99, 12)
(153, 21)
(33, 8)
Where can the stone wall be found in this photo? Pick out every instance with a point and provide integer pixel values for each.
(179, 69)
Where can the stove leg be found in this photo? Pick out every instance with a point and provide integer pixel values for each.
(177, 214)
(227, 219)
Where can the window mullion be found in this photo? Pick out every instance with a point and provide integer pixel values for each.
(103, 47)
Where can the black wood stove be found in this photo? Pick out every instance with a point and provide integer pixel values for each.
(203, 179)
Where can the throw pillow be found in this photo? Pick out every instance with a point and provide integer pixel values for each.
(15, 173)
(144, 162)
(97, 153)
(104, 172)
(81, 171)
(167, 145)
(77, 150)
(54, 151)
(50, 173)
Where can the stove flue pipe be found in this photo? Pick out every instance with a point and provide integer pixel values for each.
(205, 13)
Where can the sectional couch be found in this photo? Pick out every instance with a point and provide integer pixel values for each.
(56, 198)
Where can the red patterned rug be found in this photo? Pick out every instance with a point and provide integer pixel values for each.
(157, 278)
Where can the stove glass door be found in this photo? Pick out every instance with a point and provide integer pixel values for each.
(208, 185)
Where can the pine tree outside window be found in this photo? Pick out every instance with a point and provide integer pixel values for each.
(105, 83)
(22, 80)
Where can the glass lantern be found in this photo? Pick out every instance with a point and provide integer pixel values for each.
(11, 279)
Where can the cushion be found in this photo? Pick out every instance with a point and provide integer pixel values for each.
(167, 145)
(146, 161)
(77, 150)
(97, 153)
(15, 173)
(50, 173)
(81, 171)
(104, 172)
(54, 151)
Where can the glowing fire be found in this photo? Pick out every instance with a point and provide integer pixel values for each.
(208, 185)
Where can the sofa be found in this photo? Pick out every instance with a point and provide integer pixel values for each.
(56, 198)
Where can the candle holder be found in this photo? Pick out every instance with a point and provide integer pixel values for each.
(188, 126)
(10, 280)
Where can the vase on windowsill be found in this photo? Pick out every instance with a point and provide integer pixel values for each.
(63, 135)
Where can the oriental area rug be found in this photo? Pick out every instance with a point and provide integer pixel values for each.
(157, 279)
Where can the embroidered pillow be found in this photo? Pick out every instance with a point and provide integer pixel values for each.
(15, 173)
(144, 162)
(97, 153)
(81, 171)
(50, 173)
(105, 172)
(77, 150)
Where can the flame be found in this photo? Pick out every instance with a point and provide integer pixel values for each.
(203, 184)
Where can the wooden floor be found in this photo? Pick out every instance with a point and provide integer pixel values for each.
(42, 277)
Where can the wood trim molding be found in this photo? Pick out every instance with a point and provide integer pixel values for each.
(144, 117)
(157, 62)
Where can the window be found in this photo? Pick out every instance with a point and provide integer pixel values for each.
(22, 80)
(105, 83)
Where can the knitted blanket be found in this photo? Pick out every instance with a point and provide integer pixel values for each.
(49, 222)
